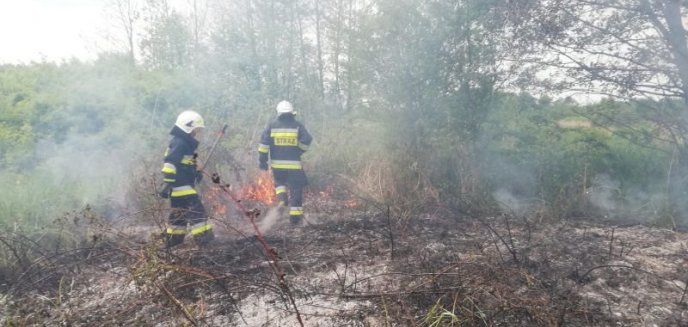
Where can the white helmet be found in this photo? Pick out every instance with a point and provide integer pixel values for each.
(285, 107)
(189, 120)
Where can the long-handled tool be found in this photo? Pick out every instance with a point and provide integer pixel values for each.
(212, 148)
(270, 252)
(252, 215)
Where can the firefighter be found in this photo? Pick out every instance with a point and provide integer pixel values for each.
(180, 177)
(284, 141)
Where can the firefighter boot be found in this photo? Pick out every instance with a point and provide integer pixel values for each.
(172, 240)
(202, 233)
(295, 220)
(205, 238)
(295, 215)
(174, 235)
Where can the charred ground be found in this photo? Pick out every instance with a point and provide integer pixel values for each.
(353, 266)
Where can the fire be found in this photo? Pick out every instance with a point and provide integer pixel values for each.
(262, 189)
(217, 203)
(330, 195)
(323, 194)
(351, 203)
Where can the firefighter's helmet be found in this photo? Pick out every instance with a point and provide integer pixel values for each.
(189, 120)
(285, 107)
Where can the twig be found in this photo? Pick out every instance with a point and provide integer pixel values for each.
(391, 233)
(683, 295)
(286, 255)
(629, 250)
(494, 241)
(176, 301)
(208, 277)
(375, 295)
(611, 243)
(580, 279)
(20, 259)
(384, 307)
(511, 250)
(342, 284)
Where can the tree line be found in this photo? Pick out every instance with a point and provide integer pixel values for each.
(460, 100)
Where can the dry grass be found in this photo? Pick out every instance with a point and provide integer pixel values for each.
(351, 267)
(404, 189)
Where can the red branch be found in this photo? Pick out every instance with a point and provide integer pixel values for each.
(251, 215)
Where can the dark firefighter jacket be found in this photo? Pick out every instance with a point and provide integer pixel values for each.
(284, 140)
(180, 163)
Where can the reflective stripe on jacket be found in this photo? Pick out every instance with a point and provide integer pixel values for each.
(284, 141)
(179, 167)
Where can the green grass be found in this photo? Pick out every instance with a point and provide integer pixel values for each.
(36, 200)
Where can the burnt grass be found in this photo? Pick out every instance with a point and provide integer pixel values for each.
(354, 267)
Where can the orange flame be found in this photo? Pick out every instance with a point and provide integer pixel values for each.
(333, 196)
(216, 200)
(351, 203)
(263, 189)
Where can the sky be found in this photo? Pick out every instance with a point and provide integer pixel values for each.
(56, 30)
(51, 30)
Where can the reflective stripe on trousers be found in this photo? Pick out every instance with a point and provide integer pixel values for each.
(200, 228)
(296, 211)
(285, 164)
(176, 230)
(182, 191)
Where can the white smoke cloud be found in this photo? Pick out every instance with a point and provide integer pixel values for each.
(604, 193)
(270, 219)
(512, 204)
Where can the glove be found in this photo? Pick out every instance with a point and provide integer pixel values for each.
(199, 176)
(263, 166)
(165, 191)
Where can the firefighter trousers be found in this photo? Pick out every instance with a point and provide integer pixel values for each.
(188, 210)
(289, 184)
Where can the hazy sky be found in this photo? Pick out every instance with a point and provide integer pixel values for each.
(32, 30)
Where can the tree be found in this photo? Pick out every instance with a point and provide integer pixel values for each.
(167, 42)
(632, 50)
(626, 49)
(433, 64)
(126, 14)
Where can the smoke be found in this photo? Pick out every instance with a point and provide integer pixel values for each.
(604, 194)
(515, 184)
(509, 203)
(632, 204)
(98, 158)
(270, 219)
(88, 167)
